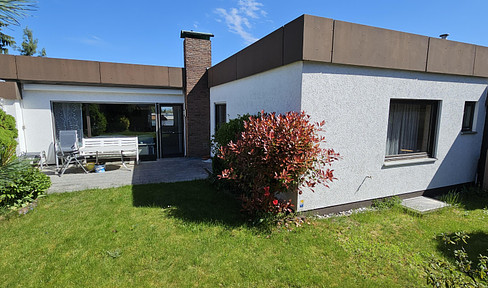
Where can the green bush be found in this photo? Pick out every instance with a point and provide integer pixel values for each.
(8, 132)
(452, 198)
(124, 123)
(24, 187)
(20, 183)
(98, 121)
(386, 203)
(465, 273)
(227, 132)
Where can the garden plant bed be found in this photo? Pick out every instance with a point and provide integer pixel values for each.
(187, 234)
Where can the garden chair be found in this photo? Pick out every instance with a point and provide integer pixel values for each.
(68, 150)
(36, 158)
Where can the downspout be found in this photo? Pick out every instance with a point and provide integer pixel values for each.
(481, 181)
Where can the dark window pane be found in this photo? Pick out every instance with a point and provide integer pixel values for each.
(220, 115)
(468, 116)
(119, 120)
(411, 126)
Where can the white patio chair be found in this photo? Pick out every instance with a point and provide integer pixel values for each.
(68, 151)
(36, 158)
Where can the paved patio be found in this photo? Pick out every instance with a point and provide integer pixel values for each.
(162, 170)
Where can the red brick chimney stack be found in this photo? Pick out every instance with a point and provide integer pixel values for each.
(198, 57)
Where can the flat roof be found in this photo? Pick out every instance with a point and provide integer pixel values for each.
(53, 70)
(312, 38)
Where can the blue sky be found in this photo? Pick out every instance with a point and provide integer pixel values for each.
(147, 32)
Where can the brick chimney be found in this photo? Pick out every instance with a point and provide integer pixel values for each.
(198, 57)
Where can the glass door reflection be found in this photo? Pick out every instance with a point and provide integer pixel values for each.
(170, 130)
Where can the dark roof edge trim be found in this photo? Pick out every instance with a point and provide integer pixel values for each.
(196, 35)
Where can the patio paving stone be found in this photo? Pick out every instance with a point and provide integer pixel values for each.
(423, 204)
(162, 170)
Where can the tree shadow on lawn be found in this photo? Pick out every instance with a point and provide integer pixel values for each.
(477, 244)
(196, 201)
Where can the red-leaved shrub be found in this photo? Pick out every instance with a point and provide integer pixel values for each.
(277, 154)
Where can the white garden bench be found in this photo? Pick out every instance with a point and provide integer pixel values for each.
(111, 147)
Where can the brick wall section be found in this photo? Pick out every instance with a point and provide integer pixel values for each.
(197, 54)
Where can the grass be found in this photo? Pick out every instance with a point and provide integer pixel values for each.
(186, 234)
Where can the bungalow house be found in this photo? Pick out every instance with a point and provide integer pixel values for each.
(406, 112)
(165, 107)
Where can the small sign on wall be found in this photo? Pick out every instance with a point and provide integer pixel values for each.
(301, 203)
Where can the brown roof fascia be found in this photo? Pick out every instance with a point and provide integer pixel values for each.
(262, 55)
(8, 71)
(132, 74)
(451, 57)
(318, 38)
(362, 45)
(9, 90)
(312, 38)
(481, 62)
(66, 71)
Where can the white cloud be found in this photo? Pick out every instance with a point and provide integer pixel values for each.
(92, 40)
(238, 18)
(250, 7)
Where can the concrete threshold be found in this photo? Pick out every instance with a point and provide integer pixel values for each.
(423, 204)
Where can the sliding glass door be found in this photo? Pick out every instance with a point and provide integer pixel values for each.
(159, 127)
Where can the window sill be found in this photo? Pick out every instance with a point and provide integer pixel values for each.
(468, 132)
(408, 162)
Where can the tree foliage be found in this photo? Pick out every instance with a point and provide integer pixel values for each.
(29, 45)
(277, 154)
(98, 121)
(5, 40)
(11, 11)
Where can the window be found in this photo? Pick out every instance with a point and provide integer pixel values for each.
(220, 115)
(468, 116)
(411, 129)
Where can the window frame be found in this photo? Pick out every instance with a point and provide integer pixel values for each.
(432, 133)
(470, 127)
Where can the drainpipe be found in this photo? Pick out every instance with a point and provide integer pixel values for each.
(482, 172)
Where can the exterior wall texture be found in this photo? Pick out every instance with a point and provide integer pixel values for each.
(354, 102)
(275, 90)
(35, 122)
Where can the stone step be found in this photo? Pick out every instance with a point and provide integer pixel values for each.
(423, 204)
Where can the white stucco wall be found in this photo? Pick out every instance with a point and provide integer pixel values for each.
(37, 115)
(354, 102)
(276, 90)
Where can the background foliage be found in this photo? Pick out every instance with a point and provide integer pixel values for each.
(227, 132)
(20, 183)
(8, 131)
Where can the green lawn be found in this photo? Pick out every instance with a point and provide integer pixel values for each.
(187, 234)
